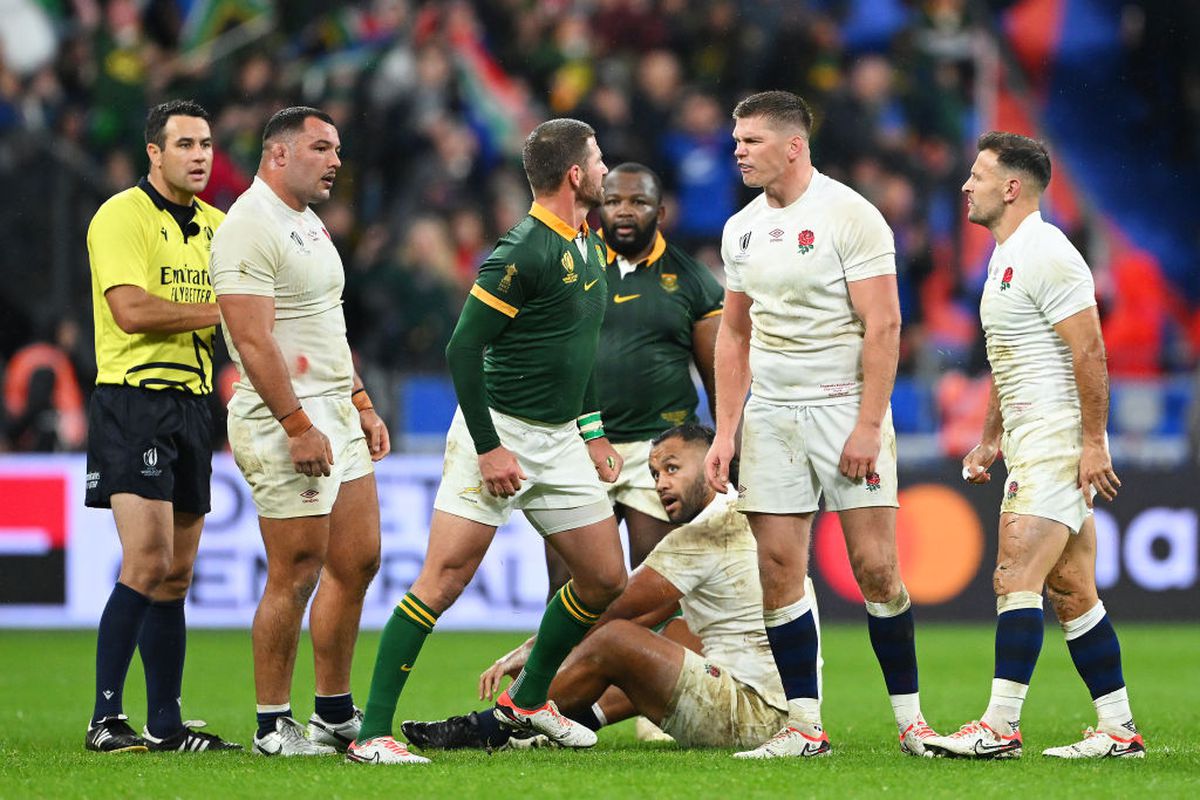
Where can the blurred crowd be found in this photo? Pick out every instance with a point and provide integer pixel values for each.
(432, 101)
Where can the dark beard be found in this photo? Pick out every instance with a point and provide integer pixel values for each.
(635, 246)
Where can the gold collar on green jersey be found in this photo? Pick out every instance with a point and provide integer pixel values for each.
(656, 252)
(556, 223)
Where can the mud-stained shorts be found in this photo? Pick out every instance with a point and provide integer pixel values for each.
(790, 458)
(711, 708)
(1042, 459)
(260, 448)
(559, 476)
(634, 487)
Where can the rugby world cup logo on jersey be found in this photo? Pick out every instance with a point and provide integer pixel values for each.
(1006, 278)
(568, 265)
(506, 282)
(744, 242)
(806, 241)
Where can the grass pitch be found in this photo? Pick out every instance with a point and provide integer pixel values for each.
(45, 699)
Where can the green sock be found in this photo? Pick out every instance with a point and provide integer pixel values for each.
(402, 638)
(564, 624)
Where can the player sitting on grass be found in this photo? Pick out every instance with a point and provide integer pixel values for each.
(720, 691)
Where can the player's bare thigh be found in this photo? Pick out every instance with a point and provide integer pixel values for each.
(1029, 548)
(782, 555)
(1071, 584)
(594, 557)
(456, 546)
(353, 552)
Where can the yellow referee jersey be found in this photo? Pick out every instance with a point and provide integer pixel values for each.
(134, 239)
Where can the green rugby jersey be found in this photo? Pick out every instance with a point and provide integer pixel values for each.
(548, 281)
(643, 379)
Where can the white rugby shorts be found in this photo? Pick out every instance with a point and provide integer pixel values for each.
(634, 487)
(559, 475)
(260, 448)
(711, 708)
(1042, 459)
(790, 458)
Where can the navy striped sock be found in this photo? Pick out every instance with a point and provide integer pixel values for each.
(163, 645)
(1018, 642)
(116, 639)
(1097, 656)
(894, 642)
(794, 646)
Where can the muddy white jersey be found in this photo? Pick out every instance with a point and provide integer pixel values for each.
(795, 264)
(1035, 280)
(713, 562)
(272, 250)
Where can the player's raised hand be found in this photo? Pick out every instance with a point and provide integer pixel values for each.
(976, 463)
(311, 452)
(607, 460)
(501, 473)
(716, 464)
(1096, 475)
(378, 441)
(860, 452)
(510, 664)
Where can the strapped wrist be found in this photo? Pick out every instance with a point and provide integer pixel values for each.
(295, 423)
(361, 400)
(590, 426)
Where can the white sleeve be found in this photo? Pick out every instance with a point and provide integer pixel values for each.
(733, 272)
(1062, 284)
(683, 561)
(244, 258)
(865, 243)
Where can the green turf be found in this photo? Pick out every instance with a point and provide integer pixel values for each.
(45, 697)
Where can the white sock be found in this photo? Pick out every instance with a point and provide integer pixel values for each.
(906, 707)
(603, 720)
(1003, 713)
(1113, 713)
(804, 711)
(279, 709)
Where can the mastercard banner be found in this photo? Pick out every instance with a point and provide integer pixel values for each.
(1147, 564)
(58, 560)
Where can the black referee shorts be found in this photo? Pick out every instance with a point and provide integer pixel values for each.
(154, 443)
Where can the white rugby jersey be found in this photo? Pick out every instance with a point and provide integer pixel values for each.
(713, 562)
(272, 250)
(1035, 280)
(795, 263)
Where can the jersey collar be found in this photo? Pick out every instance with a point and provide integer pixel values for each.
(656, 252)
(556, 223)
(182, 215)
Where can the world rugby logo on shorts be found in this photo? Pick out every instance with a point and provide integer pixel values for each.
(150, 459)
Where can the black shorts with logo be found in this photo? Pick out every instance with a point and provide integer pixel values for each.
(154, 443)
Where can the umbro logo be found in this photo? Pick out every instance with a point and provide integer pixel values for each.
(776, 235)
(309, 495)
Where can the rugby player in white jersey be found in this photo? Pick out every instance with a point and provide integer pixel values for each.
(1047, 416)
(718, 688)
(812, 328)
(302, 429)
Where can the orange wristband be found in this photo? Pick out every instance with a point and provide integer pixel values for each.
(295, 423)
(362, 403)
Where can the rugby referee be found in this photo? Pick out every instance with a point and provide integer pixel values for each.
(149, 448)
